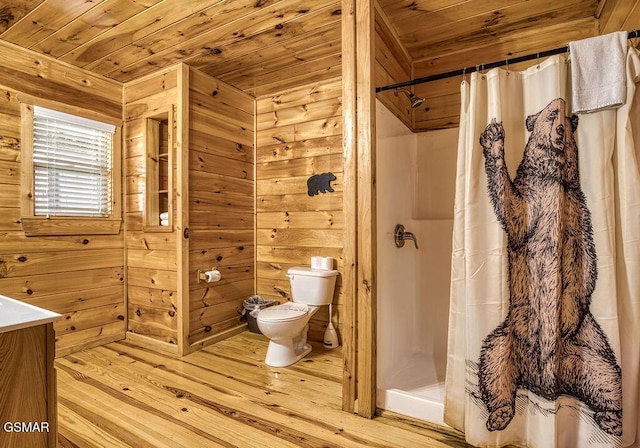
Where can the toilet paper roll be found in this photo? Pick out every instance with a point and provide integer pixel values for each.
(212, 276)
(326, 264)
(316, 263)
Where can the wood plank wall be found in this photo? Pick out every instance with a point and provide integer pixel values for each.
(80, 276)
(617, 15)
(221, 204)
(151, 255)
(392, 65)
(299, 134)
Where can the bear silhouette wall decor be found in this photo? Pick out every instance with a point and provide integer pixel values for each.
(320, 183)
(549, 343)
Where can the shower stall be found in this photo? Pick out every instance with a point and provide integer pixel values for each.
(415, 188)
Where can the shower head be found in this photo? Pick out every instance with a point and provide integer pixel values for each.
(413, 99)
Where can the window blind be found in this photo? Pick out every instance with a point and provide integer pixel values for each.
(72, 165)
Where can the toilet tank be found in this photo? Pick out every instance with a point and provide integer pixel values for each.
(312, 287)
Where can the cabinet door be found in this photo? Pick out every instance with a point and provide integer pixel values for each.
(24, 392)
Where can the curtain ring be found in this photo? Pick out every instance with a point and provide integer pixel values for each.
(507, 64)
(538, 60)
(464, 75)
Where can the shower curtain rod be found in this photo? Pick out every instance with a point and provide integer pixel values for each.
(462, 72)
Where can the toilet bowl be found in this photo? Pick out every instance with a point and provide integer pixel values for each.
(286, 325)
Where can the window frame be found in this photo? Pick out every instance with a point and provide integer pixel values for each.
(66, 225)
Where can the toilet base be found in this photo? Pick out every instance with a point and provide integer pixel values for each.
(282, 353)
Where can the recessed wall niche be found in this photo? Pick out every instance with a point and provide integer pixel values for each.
(159, 141)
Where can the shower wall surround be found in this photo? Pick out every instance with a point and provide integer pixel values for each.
(416, 180)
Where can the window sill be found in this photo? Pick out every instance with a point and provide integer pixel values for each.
(42, 226)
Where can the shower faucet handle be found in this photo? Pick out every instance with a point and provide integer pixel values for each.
(410, 236)
(401, 236)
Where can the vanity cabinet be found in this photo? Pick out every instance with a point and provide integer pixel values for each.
(28, 409)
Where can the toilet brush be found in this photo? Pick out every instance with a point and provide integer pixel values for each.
(330, 335)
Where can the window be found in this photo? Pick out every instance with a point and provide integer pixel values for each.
(71, 164)
(70, 173)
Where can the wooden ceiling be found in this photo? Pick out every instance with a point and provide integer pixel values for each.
(438, 36)
(256, 45)
(266, 46)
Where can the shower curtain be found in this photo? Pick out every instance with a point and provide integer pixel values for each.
(544, 327)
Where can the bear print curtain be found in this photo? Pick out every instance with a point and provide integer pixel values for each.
(544, 329)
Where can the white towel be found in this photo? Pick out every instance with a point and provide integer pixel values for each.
(598, 72)
(164, 216)
(164, 222)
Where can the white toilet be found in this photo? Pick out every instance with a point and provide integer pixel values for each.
(286, 325)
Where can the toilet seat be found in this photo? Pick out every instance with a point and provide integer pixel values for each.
(282, 313)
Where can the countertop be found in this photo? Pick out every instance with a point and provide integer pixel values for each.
(16, 315)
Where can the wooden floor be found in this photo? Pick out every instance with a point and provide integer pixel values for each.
(119, 395)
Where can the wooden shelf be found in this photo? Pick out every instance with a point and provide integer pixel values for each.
(159, 169)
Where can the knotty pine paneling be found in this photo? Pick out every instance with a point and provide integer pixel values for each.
(102, 17)
(619, 15)
(152, 266)
(428, 34)
(208, 22)
(392, 65)
(304, 72)
(151, 30)
(221, 204)
(242, 55)
(15, 11)
(441, 108)
(267, 46)
(79, 276)
(299, 134)
(263, 24)
(31, 74)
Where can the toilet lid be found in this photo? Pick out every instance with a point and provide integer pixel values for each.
(284, 312)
